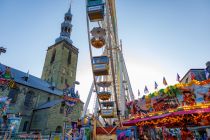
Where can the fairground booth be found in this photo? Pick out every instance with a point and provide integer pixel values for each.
(180, 111)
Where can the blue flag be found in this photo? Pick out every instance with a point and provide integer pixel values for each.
(156, 85)
(146, 90)
(178, 78)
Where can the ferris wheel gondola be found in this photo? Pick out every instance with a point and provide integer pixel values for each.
(104, 95)
(100, 65)
(95, 10)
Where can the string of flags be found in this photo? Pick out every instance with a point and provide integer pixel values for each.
(192, 76)
(146, 90)
(156, 85)
(164, 83)
(178, 78)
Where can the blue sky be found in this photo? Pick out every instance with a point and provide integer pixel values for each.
(160, 37)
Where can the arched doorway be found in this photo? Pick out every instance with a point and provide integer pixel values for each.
(25, 126)
(58, 129)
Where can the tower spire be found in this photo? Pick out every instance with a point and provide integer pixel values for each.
(66, 27)
(70, 6)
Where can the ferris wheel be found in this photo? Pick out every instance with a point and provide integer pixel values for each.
(111, 84)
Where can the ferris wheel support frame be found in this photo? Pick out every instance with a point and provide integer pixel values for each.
(132, 97)
(118, 70)
(112, 63)
(87, 101)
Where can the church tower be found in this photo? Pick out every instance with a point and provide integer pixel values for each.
(61, 58)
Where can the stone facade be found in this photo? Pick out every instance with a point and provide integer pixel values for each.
(45, 120)
(32, 93)
(26, 100)
(54, 118)
(60, 64)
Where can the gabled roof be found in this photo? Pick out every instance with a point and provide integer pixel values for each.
(32, 81)
(49, 104)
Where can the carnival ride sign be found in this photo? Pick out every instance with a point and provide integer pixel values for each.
(6, 83)
(6, 80)
(181, 104)
(107, 112)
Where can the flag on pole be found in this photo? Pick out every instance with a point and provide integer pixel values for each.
(138, 92)
(178, 78)
(27, 75)
(207, 74)
(164, 81)
(146, 90)
(156, 85)
(192, 75)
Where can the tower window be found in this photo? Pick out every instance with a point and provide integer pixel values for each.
(69, 57)
(61, 80)
(67, 18)
(53, 56)
(65, 29)
(48, 99)
(66, 81)
(62, 107)
(69, 30)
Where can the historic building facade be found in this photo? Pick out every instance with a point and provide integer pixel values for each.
(39, 102)
(61, 59)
